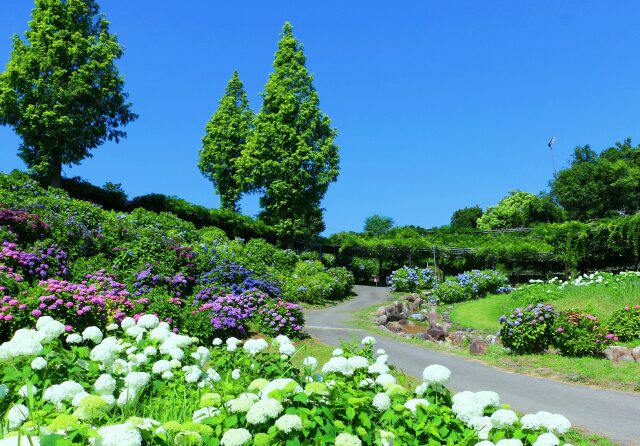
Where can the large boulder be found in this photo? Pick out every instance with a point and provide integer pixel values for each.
(618, 353)
(478, 347)
(436, 333)
(635, 352)
(457, 338)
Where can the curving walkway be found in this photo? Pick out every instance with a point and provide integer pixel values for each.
(615, 415)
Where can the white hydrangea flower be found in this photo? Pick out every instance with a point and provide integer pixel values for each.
(436, 374)
(105, 384)
(59, 393)
(414, 403)
(338, 364)
(127, 322)
(263, 410)
(175, 364)
(232, 341)
(150, 350)
(235, 374)
(253, 346)
(38, 363)
(235, 437)
(503, 418)
(217, 341)
(112, 327)
(487, 398)
(17, 415)
(206, 412)
(78, 398)
(531, 422)
(555, 423)
(213, 375)
(193, 374)
(49, 328)
(508, 442)
(485, 443)
(4, 390)
(135, 331)
(378, 368)
(280, 384)
(368, 340)
(20, 440)
(547, 439)
(131, 350)
(367, 382)
(289, 422)
(167, 375)
(310, 362)
(482, 425)
(382, 359)
(381, 351)
(176, 353)
(358, 362)
(385, 380)
(24, 390)
(24, 343)
(119, 435)
(103, 352)
(287, 349)
(93, 334)
(421, 389)
(148, 321)
(120, 367)
(337, 352)
(242, 403)
(74, 338)
(160, 334)
(345, 439)
(281, 339)
(381, 402)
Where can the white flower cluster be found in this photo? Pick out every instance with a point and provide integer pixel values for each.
(467, 405)
(255, 346)
(381, 402)
(263, 410)
(235, 437)
(345, 439)
(119, 435)
(436, 374)
(289, 422)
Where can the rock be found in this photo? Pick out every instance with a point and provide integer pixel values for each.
(433, 318)
(635, 352)
(403, 322)
(417, 317)
(618, 353)
(436, 333)
(381, 319)
(478, 347)
(446, 326)
(423, 336)
(491, 339)
(394, 327)
(445, 316)
(457, 338)
(380, 311)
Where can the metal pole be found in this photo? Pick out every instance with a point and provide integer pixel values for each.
(435, 265)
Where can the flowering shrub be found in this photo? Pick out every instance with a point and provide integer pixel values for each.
(411, 279)
(42, 263)
(140, 384)
(625, 323)
(528, 330)
(363, 269)
(280, 317)
(26, 226)
(471, 285)
(231, 277)
(576, 333)
(311, 282)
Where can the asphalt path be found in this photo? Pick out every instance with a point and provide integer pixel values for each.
(615, 415)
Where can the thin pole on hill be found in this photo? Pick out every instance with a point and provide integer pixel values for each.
(553, 158)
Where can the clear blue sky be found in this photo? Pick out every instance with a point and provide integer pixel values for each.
(439, 105)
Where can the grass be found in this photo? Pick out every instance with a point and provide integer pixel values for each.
(600, 301)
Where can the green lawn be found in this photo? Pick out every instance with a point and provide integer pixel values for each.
(600, 300)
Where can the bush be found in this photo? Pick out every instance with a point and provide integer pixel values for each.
(625, 323)
(536, 293)
(363, 269)
(278, 317)
(576, 333)
(312, 283)
(471, 285)
(528, 330)
(409, 279)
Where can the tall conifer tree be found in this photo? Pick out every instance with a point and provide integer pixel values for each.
(291, 156)
(62, 92)
(225, 138)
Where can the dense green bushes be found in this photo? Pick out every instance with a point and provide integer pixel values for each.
(411, 279)
(311, 282)
(471, 285)
(625, 323)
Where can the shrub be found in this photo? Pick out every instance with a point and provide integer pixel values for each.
(409, 279)
(363, 269)
(528, 330)
(536, 293)
(27, 227)
(231, 277)
(279, 317)
(576, 333)
(625, 323)
(471, 285)
(311, 282)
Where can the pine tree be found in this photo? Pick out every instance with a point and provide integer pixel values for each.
(290, 156)
(61, 92)
(225, 138)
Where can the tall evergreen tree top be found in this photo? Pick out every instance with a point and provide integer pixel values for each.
(225, 138)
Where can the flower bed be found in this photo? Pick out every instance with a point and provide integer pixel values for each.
(471, 285)
(409, 279)
(139, 383)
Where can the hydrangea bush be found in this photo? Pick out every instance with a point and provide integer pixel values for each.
(529, 329)
(625, 323)
(577, 333)
(408, 279)
(138, 383)
(471, 285)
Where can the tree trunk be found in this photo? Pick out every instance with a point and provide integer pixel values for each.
(56, 172)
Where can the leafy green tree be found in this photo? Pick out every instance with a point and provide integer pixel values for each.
(600, 186)
(377, 225)
(290, 157)
(61, 92)
(226, 137)
(466, 218)
(521, 209)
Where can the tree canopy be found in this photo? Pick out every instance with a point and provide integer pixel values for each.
(599, 186)
(226, 136)
(466, 218)
(61, 91)
(290, 157)
(377, 225)
(521, 209)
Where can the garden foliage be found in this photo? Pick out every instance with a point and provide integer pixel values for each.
(470, 285)
(411, 279)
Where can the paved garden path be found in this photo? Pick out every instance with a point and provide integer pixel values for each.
(615, 415)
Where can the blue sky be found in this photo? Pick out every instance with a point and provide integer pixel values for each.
(438, 104)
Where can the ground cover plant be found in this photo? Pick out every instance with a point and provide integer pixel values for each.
(138, 383)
